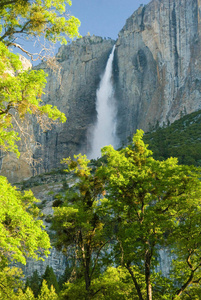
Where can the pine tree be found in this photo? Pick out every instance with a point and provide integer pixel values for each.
(50, 278)
(34, 283)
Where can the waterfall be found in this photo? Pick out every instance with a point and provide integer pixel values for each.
(104, 132)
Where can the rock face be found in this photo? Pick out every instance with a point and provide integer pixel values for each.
(157, 65)
(41, 187)
(73, 78)
(156, 74)
(80, 66)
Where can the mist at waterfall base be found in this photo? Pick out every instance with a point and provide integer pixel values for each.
(104, 132)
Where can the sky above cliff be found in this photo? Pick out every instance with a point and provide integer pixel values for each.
(103, 17)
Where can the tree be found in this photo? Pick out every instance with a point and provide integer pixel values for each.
(51, 279)
(34, 283)
(65, 276)
(80, 224)
(46, 293)
(21, 91)
(10, 280)
(114, 284)
(155, 205)
(45, 18)
(21, 95)
(27, 295)
(21, 231)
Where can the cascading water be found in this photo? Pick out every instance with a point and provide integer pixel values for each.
(105, 129)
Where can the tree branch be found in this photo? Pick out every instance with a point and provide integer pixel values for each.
(128, 267)
(27, 52)
(97, 256)
(7, 3)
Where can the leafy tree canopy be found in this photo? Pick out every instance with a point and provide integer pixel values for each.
(45, 18)
(20, 94)
(21, 232)
(157, 205)
(21, 91)
(80, 223)
(21, 235)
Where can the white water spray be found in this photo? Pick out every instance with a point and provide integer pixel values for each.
(105, 129)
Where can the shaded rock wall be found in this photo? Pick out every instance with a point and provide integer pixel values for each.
(74, 93)
(73, 78)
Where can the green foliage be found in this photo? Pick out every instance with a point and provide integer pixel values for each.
(181, 139)
(10, 280)
(45, 18)
(51, 279)
(80, 223)
(114, 283)
(28, 295)
(156, 204)
(46, 293)
(20, 93)
(65, 277)
(34, 283)
(21, 233)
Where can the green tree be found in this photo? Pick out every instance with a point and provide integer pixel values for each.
(10, 280)
(114, 283)
(80, 226)
(45, 18)
(51, 279)
(20, 94)
(21, 91)
(46, 293)
(27, 295)
(20, 229)
(155, 204)
(34, 283)
(66, 276)
(21, 232)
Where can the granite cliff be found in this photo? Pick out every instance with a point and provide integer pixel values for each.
(158, 66)
(156, 75)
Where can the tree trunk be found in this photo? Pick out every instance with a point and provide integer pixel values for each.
(128, 267)
(148, 274)
(87, 270)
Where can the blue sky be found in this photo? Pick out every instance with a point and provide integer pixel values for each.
(103, 17)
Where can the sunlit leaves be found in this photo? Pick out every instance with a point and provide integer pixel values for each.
(47, 18)
(156, 204)
(21, 233)
(20, 92)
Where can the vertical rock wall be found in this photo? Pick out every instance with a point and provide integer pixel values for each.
(74, 93)
(158, 66)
